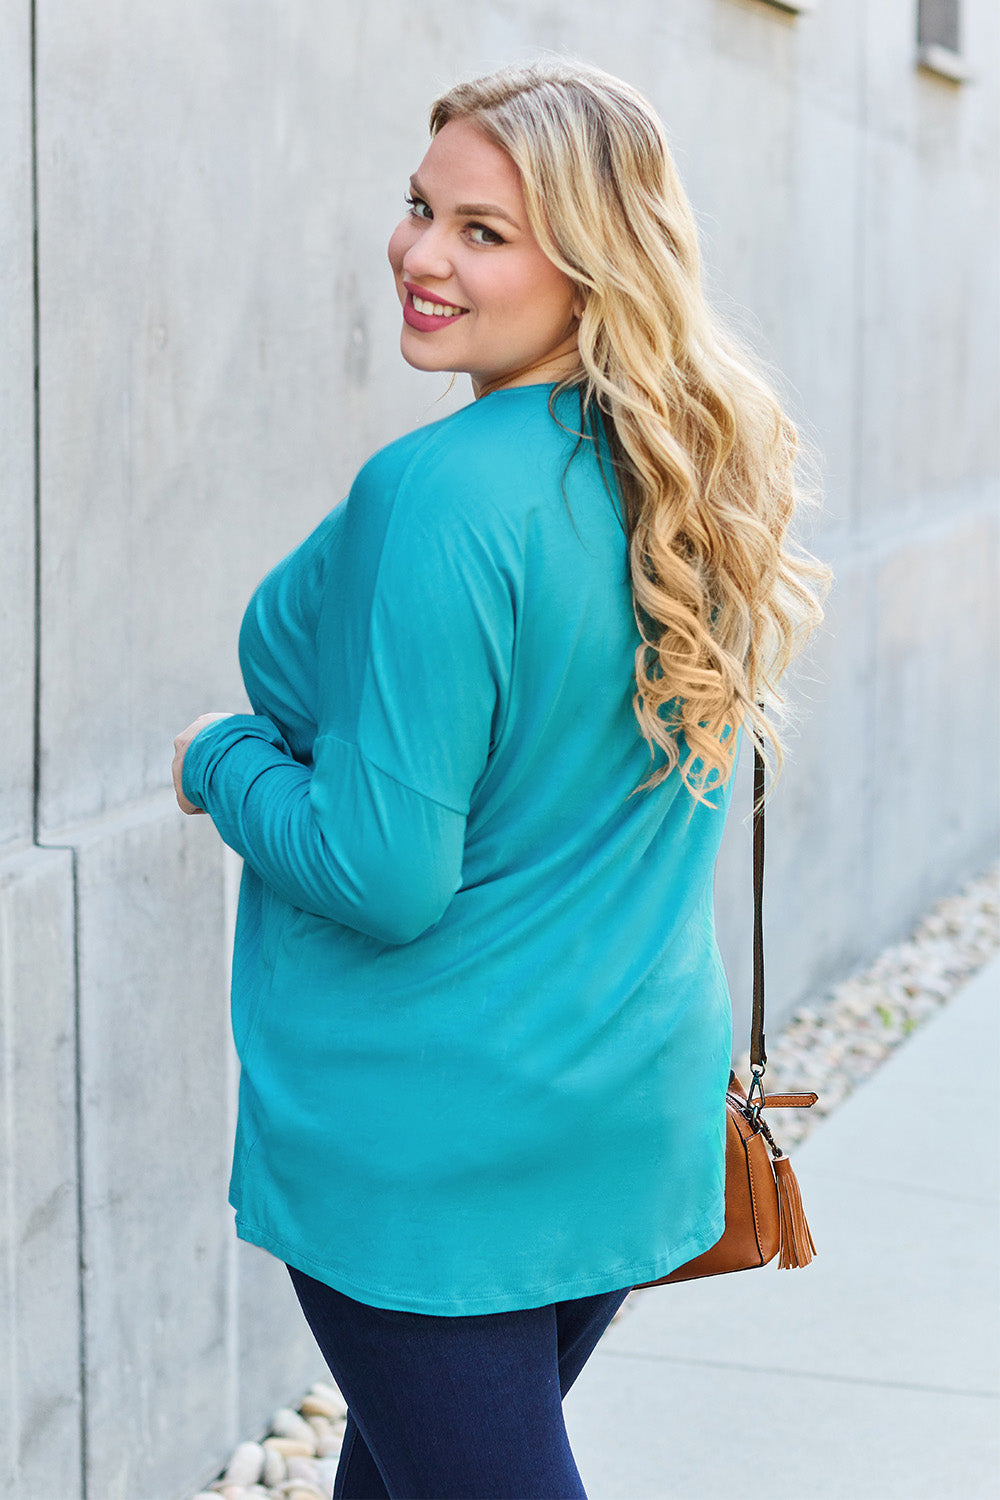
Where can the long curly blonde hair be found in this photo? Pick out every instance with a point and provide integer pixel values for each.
(706, 459)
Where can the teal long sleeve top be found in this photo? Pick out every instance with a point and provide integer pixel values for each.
(482, 1022)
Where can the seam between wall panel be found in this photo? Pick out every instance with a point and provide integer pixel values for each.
(36, 433)
(859, 373)
(37, 734)
(7, 1129)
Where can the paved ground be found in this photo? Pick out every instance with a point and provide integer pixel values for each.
(874, 1373)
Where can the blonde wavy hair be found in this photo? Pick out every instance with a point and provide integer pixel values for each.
(705, 457)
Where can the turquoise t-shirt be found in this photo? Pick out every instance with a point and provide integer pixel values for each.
(482, 1021)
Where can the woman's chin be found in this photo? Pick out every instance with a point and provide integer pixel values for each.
(418, 355)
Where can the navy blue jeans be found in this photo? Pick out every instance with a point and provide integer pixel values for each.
(464, 1408)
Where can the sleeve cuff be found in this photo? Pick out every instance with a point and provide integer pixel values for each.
(210, 745)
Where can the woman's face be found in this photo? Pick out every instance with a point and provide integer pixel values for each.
(477, 291)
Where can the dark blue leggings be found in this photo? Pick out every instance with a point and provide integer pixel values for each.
(463, 1408)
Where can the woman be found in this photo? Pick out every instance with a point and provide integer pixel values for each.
(483, 1024)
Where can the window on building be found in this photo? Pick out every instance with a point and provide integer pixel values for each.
(939, 44)
(938, 24)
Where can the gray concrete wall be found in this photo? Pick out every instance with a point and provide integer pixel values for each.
(217, 340)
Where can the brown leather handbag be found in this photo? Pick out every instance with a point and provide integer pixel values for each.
(764, 1215)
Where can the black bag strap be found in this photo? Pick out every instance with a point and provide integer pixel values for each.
(758, 1055)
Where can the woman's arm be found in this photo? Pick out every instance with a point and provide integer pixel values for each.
(414, 643)
(375, 855)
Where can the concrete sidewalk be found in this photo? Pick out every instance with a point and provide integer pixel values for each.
(872, 1374)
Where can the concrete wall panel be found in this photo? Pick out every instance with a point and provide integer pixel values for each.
(935, 799)
(816, 885)
(818, 917)
(930, 234)
(197, 385)
(17, 427)
(39, 1313)
(889, 797)
(156, 1152)
(277, 1357)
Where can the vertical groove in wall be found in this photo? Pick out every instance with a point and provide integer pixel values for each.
(231, 868)
(858, 405)
(8, 1127)
(37, 733)
(81, 1266)
(860, 209)
(36, 432)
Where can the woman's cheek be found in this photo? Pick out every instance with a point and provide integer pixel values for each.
(399, 242)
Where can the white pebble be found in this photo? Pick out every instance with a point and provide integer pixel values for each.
(288, 1424)
(291, 1447)
(275, 1468)
(246, 1465)
(332, 1394)
(323, 1407)
(321, 1426)
(327, 1472)
(304, 1469)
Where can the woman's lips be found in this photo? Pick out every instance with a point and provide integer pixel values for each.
(426, 322)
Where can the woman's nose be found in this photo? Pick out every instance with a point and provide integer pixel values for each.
(427, 257)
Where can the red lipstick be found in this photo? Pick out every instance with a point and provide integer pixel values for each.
(427, 322)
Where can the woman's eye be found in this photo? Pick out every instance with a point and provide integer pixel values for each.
(480, 234)
(483, 235)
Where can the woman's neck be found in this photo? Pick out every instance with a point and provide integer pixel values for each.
(563, 361)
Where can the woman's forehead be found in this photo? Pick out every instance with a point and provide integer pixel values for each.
(469, 169)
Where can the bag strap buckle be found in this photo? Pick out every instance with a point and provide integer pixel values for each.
(755, 1093)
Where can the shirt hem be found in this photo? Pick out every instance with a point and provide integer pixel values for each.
(707, 1234)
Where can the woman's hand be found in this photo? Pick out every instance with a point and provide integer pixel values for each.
(180, 750)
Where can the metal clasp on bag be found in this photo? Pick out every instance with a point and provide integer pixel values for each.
(756, 1091)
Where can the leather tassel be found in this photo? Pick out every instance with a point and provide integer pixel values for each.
(796, 1247)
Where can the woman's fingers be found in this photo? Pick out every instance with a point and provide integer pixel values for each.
(181, 743)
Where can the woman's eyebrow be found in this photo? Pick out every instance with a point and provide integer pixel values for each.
(489, 210)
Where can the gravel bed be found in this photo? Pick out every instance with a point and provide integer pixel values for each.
(831, 1045)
